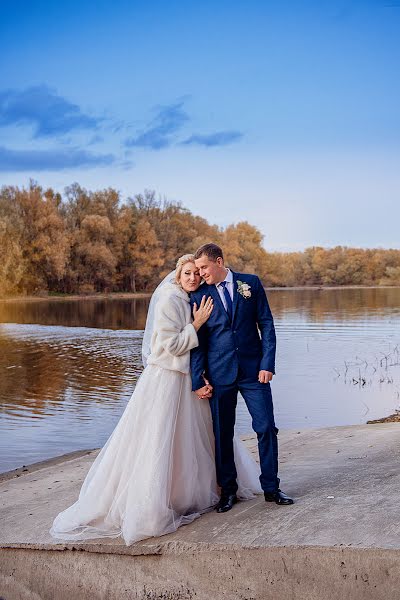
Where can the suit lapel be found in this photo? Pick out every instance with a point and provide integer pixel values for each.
(217, 299)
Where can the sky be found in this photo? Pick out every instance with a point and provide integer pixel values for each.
(283, 114)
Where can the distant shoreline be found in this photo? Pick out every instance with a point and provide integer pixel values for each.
(142, 295)
(66, 297)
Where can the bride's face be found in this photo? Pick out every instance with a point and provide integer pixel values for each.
(190, 277)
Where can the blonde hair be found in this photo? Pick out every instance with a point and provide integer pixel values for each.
(180, 263)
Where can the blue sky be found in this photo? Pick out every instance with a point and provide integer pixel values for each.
(285, 114)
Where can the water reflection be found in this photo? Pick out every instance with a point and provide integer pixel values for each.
(121, 313)
(68, 368)
(62, 388)
(315, 305)
(42, 367)
(348, 304)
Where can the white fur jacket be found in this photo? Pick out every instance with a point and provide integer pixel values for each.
(174, 335)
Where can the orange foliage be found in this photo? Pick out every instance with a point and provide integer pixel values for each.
(94, 241)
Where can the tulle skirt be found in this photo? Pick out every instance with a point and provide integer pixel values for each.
(156, 472)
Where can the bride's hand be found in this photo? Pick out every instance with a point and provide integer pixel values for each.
(202, 314)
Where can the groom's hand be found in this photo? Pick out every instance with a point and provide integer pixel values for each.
(265, 376)
(204, 392)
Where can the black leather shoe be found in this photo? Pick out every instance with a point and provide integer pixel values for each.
(226, 503)
(278, 497)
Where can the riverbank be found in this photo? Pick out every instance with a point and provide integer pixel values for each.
(48, 462)
(394, 418)
(341, 537)
(60, 459)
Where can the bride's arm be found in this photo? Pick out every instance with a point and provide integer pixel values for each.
(170, 335)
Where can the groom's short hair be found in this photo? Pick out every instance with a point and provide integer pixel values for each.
(212, 251)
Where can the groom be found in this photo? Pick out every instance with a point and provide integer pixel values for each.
(233, 357)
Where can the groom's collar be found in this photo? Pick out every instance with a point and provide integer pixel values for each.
(228, 278)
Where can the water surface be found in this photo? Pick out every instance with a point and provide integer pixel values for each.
(67, 368)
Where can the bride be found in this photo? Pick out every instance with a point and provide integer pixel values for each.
(156, 472)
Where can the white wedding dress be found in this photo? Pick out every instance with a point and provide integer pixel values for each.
(156, 471)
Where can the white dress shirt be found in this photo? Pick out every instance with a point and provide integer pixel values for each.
(229, 287)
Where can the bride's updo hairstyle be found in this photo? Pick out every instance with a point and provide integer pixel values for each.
(181, 262)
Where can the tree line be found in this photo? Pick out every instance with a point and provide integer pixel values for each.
(95, 241)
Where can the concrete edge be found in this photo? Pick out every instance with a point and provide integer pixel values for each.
(234, 573)
(43, 464)
(177, 548)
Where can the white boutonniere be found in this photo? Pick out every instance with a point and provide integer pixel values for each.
(244, 289)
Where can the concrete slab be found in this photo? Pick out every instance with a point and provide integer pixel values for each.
(345, 481)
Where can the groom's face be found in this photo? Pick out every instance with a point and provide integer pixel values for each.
(211, 271)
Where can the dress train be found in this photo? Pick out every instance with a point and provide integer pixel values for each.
(156, 472)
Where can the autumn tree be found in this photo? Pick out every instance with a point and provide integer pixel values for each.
(242, 244)
(87, 241)
(178, 231)
(12, 263)
(38, 226)
(91, 219)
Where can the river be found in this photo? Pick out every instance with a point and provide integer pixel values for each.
(68, 367)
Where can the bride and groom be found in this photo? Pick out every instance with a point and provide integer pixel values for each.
(170, 455)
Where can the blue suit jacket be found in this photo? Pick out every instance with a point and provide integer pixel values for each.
(224, 345)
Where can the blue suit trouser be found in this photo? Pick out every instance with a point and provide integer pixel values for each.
(258, 399)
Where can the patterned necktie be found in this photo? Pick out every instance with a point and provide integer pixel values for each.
(228, 299)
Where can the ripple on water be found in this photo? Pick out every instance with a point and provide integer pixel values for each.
(64, 388)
